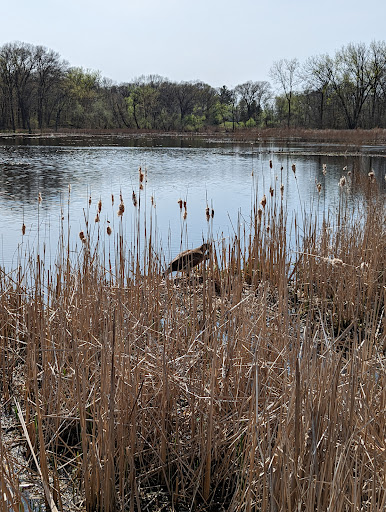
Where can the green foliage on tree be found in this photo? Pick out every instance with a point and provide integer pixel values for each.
(40, 91)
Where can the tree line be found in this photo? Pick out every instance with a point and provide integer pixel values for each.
(40, 90)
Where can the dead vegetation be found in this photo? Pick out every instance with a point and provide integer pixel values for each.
(256, 383)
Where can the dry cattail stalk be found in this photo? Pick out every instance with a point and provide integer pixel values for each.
(23, 229)
(263, 202)
(121, 209)
(342, 181)
(134, 198)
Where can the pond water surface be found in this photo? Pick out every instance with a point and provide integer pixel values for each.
(225, 176)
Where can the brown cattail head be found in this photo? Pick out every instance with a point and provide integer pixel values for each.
(319, 187)
(282, 190)
(294, 168)
(263, 202)
(212, 213)
(82, 236)
(40, 199)
(23, 229)
(134, 198)
(207, 213)
(271, 191)
(270, 164)
(89, 200)
(97, 219)
(140, 186)
(112, 199)
(185, 215)
(180, 202)
(121, 209)
(99, 205)
(185, 205)
(259, 214)
(108, 230)
(141, 175)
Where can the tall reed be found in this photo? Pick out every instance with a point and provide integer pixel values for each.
(255, 384)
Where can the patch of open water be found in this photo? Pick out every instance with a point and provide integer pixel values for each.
(227, 177)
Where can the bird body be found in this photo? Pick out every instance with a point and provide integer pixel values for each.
(186, 260)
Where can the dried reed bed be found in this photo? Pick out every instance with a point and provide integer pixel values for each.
(256, 383)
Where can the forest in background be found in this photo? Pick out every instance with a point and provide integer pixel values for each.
(41, 91)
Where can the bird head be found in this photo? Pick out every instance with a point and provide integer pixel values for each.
(205, 247)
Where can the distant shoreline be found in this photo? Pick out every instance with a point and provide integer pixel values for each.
(349, 139)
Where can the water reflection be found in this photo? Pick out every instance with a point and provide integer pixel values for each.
(227, 177)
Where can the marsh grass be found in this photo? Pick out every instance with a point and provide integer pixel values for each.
(255, 384)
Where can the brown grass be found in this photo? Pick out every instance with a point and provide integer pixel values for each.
(257, 384)
(352, 138)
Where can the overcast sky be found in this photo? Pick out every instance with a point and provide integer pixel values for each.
(220, 42)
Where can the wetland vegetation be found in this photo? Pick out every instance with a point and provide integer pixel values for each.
(255, 383)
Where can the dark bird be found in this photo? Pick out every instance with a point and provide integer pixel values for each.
(188, 259)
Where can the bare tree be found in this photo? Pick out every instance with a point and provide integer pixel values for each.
(285, 73)
(49, 69)
(316, 76)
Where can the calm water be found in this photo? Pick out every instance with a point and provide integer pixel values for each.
(224, 176)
